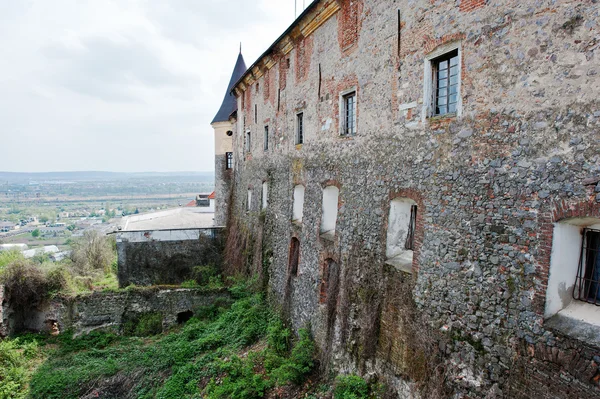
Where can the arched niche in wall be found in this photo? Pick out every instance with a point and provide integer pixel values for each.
(298, 207)
(249, 200)
(330, 211)
(401, 233)
(294, 257)
(265, 195)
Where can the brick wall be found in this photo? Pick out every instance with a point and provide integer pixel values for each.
(486, 183)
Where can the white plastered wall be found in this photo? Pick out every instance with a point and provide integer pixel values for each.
(397, 230)
(265, 195)
(330, 209)
(564, 261)
(298, 208)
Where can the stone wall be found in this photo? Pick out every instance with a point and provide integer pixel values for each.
(108, 311)
(150, 258)
(486, 182)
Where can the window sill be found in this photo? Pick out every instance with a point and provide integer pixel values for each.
(578, 320)
(298, 146)
(328, 235)
(297, 222)
(402, 262)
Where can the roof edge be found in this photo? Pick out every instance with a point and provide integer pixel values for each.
(294, 24)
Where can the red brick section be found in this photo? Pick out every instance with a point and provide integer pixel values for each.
(349, 24)
(470, 5)
(416, 196)
(303, 56)
(283, 70)
(266, 86)
(555, 213)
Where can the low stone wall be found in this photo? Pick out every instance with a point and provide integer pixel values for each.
(165, 257)
(110, 310)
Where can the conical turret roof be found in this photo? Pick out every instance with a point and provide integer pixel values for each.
(229, 102)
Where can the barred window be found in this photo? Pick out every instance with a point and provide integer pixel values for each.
(229, 160)
(587, 283)
(300, 128)
(445, 79)
(349, 114)
(266, 139)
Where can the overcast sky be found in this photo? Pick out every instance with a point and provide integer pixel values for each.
(122, 85)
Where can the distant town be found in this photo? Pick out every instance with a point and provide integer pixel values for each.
(44, 212)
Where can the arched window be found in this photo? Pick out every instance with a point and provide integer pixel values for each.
(249, 200)
(294, 257)
(329, 281)
(401, 233)
(330, 210)
(265, 195)
(298, 207)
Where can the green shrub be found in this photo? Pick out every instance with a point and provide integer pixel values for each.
(15, 358)
(202, 274)
(300, 363)
(189, 284)
(351, 387)
(26, 285)
(10, 256)
(144, 325)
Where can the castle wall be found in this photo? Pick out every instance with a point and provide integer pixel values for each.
(489, 184)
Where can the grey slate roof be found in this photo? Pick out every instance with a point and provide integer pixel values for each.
(229, 104)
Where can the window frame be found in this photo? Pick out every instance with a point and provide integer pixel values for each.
(344, 96)
(299, 128)
(583, 280)
(228, 160)
(266, 138)
(430, 81)
(248, 141)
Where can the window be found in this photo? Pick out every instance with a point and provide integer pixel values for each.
(348, 114)
(298, 207)
(401, 233)
(330, 210)
(266, 139)
(442, 84)
(574, 275)
(329, 282)
(265, 195)
(445, 80)
(587, 282)
(248, 141)
(294, 257)
(229, 160)
(300, 128)
(249, 201)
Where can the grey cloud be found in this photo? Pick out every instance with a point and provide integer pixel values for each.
(105, 68)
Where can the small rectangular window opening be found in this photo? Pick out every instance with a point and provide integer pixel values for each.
(587, 283)
(349, 114)
(255, 113)
(300, 128)
(229, 160)
(410, 237)
(446, 77)
(266, 138)
(248, 142)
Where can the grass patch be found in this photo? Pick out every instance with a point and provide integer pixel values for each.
(18, 358)
(206, 357)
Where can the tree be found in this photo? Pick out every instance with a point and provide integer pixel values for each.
(93, 252)
(35, 233)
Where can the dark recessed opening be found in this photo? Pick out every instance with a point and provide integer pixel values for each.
(183, 317)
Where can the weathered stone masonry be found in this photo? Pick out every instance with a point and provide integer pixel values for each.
(489, 182)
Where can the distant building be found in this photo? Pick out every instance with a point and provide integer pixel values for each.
(5, 227)
(48, 249)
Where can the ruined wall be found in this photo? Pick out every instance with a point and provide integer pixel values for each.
(150, 259)
(487, 182)
(109, 311)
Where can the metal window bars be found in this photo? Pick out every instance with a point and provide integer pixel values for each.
(229, 160)
(410, 237)
(587, 283)
(300, 128)
(446, 84)
(349, 114)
